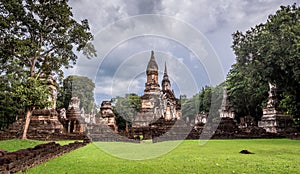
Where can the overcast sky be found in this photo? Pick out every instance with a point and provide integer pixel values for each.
(192, 36)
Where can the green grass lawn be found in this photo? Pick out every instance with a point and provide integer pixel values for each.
(16, 144)
(216, 156)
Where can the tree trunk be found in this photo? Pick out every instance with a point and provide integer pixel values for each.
(126, 127)
(27, 122)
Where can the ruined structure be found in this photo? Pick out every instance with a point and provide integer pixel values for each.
(200, 119)
(226, 110)
(74, 122)
(227, 125)
(44, 121)
(273, 120)
(52, 87)
(20, 160)
(108, 115)
(157, 103)
(247, 121)
(104, 128)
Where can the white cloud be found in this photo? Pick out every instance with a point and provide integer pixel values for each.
(216, 20)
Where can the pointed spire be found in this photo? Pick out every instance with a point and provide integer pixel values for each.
(152, 58)
(166, 77)
(166, 69)
(152, 65)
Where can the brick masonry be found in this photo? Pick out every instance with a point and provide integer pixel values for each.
(12, 162)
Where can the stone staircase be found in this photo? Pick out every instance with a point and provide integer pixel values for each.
(100, 131)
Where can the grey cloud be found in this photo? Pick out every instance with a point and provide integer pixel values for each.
(148, 7)
(217, 20)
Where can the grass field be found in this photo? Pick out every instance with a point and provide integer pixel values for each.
(16, 144)
(13, 145)
(216, 156)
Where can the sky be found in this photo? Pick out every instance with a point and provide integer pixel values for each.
(193, 37)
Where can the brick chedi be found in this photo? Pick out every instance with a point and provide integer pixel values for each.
(108, 115)
(74, 123)
(273, 120)
(170, 104)
(226, 110)
(43, 122)
(158, 104)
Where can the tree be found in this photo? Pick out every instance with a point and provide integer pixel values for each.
(31, 93)
(245, 94)
(205, 99)
(79, 86)
(270, 53)
(200, 102)
(190, 107)
(9, 109)
(126, 108)
(37, 39)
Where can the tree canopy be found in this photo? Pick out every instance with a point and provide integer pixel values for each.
(40, 36)
(125, 108)
(37, 39)
(79, 86)
(267, 53)
(202, 101)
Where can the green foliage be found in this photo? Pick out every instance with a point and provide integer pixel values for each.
(40, 36)
(8, 107)
(205, 99)
(37, 39)
(190, 107)
(216, 156)
(246, 94)
(126, 108)
(202, 102)
(32, 92)
(79, 86)
(268, 53)
(20, 95)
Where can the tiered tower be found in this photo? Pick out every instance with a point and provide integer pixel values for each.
(108, 115)
(150, 99)
(152, 86)
(159, 107)
(273, 119)
(166, 84)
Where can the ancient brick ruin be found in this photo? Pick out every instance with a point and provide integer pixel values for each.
(12, 162)
(273, 120)
(107, 114)
(160, 108)
(159, 118)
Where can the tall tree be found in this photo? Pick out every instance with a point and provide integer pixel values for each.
(205, 99)
(37, 39)
(126, 108)
(8, 107)
(190, 107)
(79, 86)
(270, 53)
(246, 94)
(200, 102)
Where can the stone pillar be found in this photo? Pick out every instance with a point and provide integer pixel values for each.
(168, 113)
(69, 126)
(75, 126)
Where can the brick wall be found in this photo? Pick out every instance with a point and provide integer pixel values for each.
(12, 162)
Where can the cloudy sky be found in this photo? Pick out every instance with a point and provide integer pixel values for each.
(193, 37)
